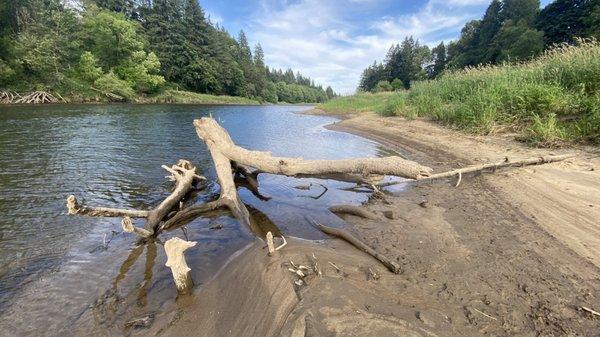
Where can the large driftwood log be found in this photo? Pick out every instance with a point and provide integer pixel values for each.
(229, 158)
(174, 249)
(217, 138)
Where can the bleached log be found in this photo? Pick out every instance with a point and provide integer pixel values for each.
(217, 138)
(227, 156)
(174, 248)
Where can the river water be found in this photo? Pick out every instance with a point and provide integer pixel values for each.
(65, 275)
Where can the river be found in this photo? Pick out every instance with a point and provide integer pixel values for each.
(63, 275)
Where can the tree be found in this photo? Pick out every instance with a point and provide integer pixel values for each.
(406, 61)
(46, 44)
(88, 67)
(518, 42)
(521, 10)
(110, 37)
(371, 76)
(438, 58)
(562, 21)
(330, 93)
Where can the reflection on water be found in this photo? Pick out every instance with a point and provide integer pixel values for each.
(78, 275)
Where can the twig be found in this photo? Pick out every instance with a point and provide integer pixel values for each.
(591, 311)
(486, 315)
(334, 266)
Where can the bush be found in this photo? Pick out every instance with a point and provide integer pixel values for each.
(88, 69)
(383, 86)
(111, 83)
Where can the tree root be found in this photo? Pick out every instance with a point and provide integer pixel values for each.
(354, 210)
(342, 234)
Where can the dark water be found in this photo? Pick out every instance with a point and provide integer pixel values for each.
(62, 275)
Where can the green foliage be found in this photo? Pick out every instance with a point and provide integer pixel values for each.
(518, 42)
(550, 100)
(88, 67)
(125, 45)
(383, 86)
(111, 83)
(110, 36)
(396, 84)
(269, 93)
(141, 71)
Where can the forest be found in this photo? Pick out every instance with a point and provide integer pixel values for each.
(133, 50)
(510, 31)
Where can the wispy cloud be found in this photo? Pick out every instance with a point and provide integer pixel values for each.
(333, 41)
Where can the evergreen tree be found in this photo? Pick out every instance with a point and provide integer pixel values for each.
(438, 58)
(563, 20)
(330, 93)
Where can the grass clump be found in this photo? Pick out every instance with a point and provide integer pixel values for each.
(548, 101)
(187, 97)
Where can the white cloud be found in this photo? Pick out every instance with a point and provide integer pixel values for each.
(320, 38)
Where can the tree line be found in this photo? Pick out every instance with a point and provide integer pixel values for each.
(137, 47)
(510, 30)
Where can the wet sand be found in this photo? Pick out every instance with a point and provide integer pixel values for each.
(515, 253)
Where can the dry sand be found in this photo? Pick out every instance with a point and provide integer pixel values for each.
(515, 253)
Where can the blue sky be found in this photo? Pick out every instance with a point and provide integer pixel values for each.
(332, 41)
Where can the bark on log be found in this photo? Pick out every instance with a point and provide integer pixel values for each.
(174, 249)
(342, 234)
(217, 138)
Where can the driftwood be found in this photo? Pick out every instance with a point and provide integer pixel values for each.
(37, 97)
(174, 249)
(228, 158)
(111, 96)
(354, 210)
(184, 175)
(490, 166)
(342, 234)
(8, 96)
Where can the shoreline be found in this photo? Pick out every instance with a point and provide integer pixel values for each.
(499, 255)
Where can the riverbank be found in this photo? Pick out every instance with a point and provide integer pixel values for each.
(165, 97)
(508, 254)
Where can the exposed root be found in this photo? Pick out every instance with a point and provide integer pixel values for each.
(342, 234)
(353, 210)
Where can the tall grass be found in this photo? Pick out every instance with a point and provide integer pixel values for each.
(384, 103)
(549, 100)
